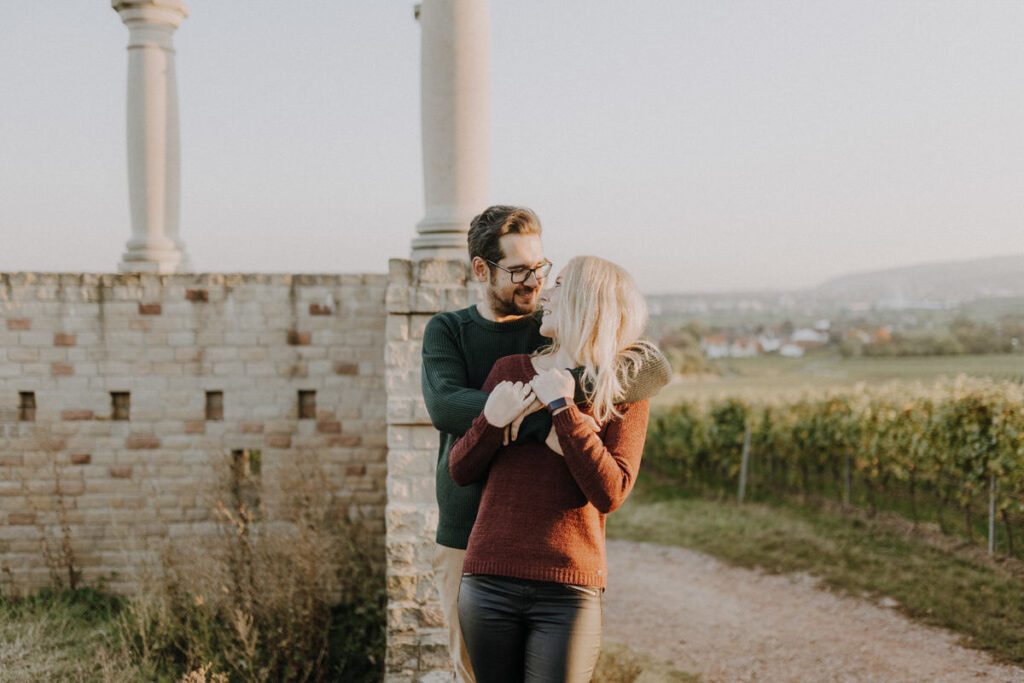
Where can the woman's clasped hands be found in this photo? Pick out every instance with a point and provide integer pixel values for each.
(507, 401)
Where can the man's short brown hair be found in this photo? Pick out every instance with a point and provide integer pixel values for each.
(485, 230)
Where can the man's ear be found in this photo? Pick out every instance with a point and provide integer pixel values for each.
(481, 271)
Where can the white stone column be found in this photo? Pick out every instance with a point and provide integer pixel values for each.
(153, 146)
(455, 102)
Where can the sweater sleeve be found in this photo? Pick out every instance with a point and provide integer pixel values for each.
(604, 467)
(471, 455)
(451, 404)
(655, 373)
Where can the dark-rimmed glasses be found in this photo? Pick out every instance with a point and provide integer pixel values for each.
(520, 275)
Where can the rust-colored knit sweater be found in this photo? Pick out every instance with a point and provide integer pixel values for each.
(542, 514)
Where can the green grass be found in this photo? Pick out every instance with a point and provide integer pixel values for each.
(62, 636)
(982, 601)
(774, 375)
(620, 664)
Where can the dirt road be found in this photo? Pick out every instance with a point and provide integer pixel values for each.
(733, 625)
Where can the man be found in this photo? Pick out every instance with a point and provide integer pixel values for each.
(459, 349)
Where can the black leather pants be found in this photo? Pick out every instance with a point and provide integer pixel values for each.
(521, 630)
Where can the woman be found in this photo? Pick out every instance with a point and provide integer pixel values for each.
(531, 601)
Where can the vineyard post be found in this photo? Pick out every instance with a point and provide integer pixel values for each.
(991, 514)
(846, 479)
(744, 462)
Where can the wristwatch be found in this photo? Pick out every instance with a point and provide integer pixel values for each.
(557, 403)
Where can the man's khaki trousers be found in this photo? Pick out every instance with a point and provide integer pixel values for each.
(448, 577)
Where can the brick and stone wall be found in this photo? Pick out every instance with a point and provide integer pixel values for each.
(120, 488)
(117, 488)
(417, 634)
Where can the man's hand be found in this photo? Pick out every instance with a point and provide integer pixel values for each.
(506, 402)
(552, 440)
(553, 384)
(512, 431)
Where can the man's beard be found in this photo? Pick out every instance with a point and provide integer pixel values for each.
(510, 306)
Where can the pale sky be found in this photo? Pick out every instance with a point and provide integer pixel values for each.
(702, 145)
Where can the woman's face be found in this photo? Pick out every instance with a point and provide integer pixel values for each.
(549, 315)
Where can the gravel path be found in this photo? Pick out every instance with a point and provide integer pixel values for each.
(732, 625)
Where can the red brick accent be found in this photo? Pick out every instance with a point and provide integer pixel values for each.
(279, 441)
(150, 309)
(59, 369)
(328, 426)
(137, 441)
(81, 458)
(76, 415)
(197, 295)
(121, 472)
(195, 427)
(16, 518)
(296, 338)
(319, 309)
(52, 443)
(343, 368)
(355, 470)
(252, 427)
(347, 440)
(62, 339)
(19, 324)
(11, 460)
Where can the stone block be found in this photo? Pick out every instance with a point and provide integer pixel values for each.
(61, 369)
(20, 354)
(346, 368)
(21, 518)
(328, 426)
(345, 440)
(399, 271)
(141, 441)
(441, 271)
(320, 309)
(121, 472)
(279, 441)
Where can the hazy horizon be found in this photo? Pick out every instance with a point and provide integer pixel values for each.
(705, 147)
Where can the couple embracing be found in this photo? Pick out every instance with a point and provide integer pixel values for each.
(540, 395)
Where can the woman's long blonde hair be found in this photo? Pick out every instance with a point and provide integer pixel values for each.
(601, 316)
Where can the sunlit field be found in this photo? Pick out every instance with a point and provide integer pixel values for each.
(766, 376)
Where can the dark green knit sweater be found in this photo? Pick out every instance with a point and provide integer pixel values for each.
(459, 349)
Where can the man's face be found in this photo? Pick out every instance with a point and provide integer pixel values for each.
(511, 298)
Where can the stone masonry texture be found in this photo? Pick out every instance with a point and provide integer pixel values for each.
(417, 634)
(117, 489)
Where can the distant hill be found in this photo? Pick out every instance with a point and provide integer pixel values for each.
(950, 281)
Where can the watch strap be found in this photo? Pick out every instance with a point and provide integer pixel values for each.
(559, 402)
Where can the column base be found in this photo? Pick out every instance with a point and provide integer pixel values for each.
(161, 263)
(441, 238)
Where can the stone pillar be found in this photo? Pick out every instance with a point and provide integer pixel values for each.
(153, 148)
(417, 633)
(455, 102)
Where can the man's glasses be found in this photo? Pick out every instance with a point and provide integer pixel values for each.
(520, 275)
